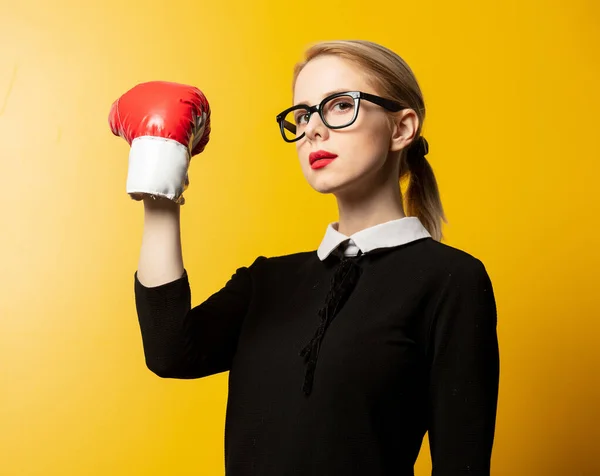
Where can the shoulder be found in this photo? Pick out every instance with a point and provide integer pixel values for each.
(462, 294)
(440, 268)
(464, 282)
(450, 260)
(283, 263)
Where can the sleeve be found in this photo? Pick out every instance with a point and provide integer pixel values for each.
(184, 342)
(464, 375)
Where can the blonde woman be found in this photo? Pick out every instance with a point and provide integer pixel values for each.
(342, 358)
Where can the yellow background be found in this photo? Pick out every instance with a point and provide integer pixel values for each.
(512, 94)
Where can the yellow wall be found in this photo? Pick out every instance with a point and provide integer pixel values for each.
(512, 92)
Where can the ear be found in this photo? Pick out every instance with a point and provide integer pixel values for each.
(405, 125)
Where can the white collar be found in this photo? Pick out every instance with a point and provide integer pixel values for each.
(384, 235)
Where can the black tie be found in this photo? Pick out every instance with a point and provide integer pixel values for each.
(344, 280)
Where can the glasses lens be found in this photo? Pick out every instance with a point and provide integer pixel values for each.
(294, 123)
(339, 111)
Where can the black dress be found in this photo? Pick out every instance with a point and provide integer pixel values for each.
(340, 366)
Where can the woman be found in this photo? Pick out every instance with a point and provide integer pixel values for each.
(341, 358)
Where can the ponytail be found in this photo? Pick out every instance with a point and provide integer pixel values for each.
(422, 195)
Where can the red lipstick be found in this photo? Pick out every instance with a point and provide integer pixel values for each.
(320, 158)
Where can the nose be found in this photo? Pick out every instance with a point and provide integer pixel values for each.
(315, 128)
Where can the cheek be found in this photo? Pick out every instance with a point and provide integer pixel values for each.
(367, 147)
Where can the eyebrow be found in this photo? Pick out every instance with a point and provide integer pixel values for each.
(329, 93)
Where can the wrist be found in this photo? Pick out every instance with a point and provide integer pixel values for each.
(159, 205)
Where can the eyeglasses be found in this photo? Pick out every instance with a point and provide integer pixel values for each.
(337, 111)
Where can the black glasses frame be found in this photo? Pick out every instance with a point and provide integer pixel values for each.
(390, 105)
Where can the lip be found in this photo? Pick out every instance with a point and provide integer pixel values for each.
(320, 154)
(319, 164)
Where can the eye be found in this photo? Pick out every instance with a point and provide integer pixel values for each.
(343, 106)
(300, 117)
(340, 105)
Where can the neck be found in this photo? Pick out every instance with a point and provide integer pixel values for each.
(371, 207)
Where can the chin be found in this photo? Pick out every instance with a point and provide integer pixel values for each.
(331, 184)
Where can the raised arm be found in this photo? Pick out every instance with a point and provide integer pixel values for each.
(166, 124)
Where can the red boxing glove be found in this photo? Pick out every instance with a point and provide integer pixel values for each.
(166, 124)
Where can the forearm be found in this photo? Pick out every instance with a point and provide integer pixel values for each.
(161, 259)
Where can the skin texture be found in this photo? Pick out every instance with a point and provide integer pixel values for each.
(364, 176)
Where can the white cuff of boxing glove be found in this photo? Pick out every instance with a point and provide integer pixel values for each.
(157, 166)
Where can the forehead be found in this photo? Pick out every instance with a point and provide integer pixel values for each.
(326, 74)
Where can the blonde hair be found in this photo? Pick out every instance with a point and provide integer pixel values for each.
(391, 76)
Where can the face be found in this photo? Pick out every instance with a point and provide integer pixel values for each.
(362, 148)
